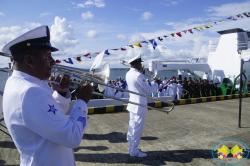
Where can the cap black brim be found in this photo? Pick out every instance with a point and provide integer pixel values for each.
(53, 49)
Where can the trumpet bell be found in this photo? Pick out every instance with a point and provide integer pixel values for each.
(104, 74)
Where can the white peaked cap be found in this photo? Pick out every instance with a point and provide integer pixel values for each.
(138, 57)
(35, 38)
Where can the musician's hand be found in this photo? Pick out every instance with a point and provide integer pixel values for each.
(61, 84)
(84, 92)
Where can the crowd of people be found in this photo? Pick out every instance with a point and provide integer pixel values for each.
(176, 88)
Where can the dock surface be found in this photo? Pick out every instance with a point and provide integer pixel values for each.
(183, 137)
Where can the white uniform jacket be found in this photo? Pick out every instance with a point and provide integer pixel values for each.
(137, 83)
(41, 131)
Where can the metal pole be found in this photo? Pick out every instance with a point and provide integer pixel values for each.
(240, 94)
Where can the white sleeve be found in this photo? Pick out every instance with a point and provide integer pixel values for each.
(143, 85)
(42, 115)
(63, 102)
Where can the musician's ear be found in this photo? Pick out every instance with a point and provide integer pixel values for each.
(28, 60)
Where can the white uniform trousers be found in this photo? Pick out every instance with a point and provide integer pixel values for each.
(135, 130)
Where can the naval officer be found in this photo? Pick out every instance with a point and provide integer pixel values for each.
(136, 82)
(33, 113)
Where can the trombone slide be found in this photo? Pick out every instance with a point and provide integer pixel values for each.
(126, 101)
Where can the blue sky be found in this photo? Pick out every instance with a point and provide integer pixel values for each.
(82, 26)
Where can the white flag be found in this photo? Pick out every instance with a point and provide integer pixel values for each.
(97, 62)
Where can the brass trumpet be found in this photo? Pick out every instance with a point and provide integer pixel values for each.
(145, 71)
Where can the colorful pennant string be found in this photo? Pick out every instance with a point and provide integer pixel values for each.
(153, 42)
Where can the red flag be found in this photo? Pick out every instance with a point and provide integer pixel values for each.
(87, 55)
(57, 61)
(190, 30)
(179, 34)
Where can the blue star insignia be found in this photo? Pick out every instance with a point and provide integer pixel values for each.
(52, 109)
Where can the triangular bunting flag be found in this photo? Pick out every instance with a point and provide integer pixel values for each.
(144, 41)
(178, 34)
(165, 36)
(172, 34)
(232, 18)
(197, 28)
(87, 55)
(137, 45)
(185, 31)
(153, 42)
(239, 16)
(78, 59)
(190, 30)
(69, 60)
(131, 46)
(209, 26)
(115, 49)
(247, 14)
(106, 52)
(57, 61)
(160, 38)
(202, 27)
(123, 49)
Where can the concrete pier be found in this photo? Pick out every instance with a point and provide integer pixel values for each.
(183, 137)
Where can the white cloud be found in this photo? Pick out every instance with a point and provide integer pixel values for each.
(44, 14)
(134, 9)
(62, 35)
(2, 14)
(87, 15)
(147, 15)
(91, 34)
(121, 37)
(92, 3)
(9, 33)
(171, 2)
(229, 9)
